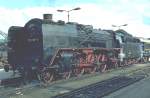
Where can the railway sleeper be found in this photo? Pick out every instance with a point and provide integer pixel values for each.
(103, 88)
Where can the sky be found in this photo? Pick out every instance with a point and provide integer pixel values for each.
(99, 13)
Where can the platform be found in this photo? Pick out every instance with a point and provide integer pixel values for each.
(5, 77)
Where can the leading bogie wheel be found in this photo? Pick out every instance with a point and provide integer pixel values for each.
(48, 77)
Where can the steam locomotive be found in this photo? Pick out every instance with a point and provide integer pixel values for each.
(49, 49)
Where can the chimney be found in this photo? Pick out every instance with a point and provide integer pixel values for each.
(48, 17)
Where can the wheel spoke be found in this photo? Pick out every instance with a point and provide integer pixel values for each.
(94, 70)
(67, 75)
(103, 67)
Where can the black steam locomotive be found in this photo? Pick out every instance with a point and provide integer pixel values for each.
(49, 49)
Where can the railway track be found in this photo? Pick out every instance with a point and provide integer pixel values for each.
(129, 78)
(101, 89)
(14, 88)
(18, 79)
